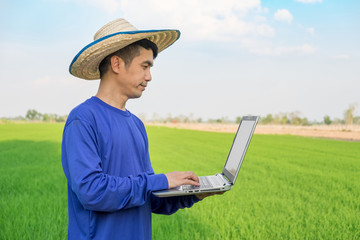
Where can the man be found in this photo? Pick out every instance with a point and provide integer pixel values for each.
(105, 153)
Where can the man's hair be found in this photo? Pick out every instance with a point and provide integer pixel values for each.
(127, 54)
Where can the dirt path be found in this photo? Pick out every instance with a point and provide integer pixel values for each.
(341, 132)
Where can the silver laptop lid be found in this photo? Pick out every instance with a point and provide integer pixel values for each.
(239, 147)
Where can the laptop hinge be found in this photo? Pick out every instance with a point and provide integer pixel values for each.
(225, 179)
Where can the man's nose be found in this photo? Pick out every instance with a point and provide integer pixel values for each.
(148, 76)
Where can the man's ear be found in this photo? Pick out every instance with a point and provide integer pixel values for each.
(116, 63)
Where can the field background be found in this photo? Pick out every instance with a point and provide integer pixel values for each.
(289, 187)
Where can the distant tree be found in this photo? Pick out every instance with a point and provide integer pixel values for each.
(182, 118)
(305, 122)
(338, 121)
(284, 120)
(267, 120)
(357, 120)
(327, 120)
(211, 120)
(191, 118)
(277, 118)
(349, 114)
(169, 118)
(46, 117)
(32, 114)
(222, 120)
(295, 118)
(281, 118)
(60, 118)
(238, 120)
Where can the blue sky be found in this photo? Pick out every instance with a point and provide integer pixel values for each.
(233, 58)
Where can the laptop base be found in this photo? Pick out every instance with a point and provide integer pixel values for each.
(178, 192)
(223, 186)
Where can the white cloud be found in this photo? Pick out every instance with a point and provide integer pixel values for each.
(225, 21)
(283, 15)
(244, 22)
(309, 30)
(309, 1)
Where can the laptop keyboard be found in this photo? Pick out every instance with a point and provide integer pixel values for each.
(205, 182)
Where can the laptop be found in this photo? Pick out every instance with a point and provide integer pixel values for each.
(222, 181)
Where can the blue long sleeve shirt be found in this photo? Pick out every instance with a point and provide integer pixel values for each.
(106, 161)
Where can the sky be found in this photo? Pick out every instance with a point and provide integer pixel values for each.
(233, 58)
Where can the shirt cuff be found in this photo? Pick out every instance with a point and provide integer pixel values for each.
(158, 182)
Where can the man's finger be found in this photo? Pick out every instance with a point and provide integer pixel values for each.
(182, 178)
(191, 182)
(192, 175)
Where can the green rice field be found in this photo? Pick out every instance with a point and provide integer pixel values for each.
(289, 187)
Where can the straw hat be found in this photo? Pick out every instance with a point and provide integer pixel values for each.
(112, 37)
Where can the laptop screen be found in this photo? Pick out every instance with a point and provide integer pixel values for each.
(239, 147)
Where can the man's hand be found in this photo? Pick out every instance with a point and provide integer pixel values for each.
(201, 196)
(176, 179)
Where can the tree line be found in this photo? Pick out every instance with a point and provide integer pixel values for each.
(292, 118)
(34, 116)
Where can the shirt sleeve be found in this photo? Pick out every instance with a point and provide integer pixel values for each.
(96, 190)
(170, 205)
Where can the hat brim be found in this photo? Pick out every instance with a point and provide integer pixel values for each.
(85, 64)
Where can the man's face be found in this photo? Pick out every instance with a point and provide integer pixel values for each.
(134, 79)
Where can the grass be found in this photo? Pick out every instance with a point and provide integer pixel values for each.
(33, 199)
(289, 187)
